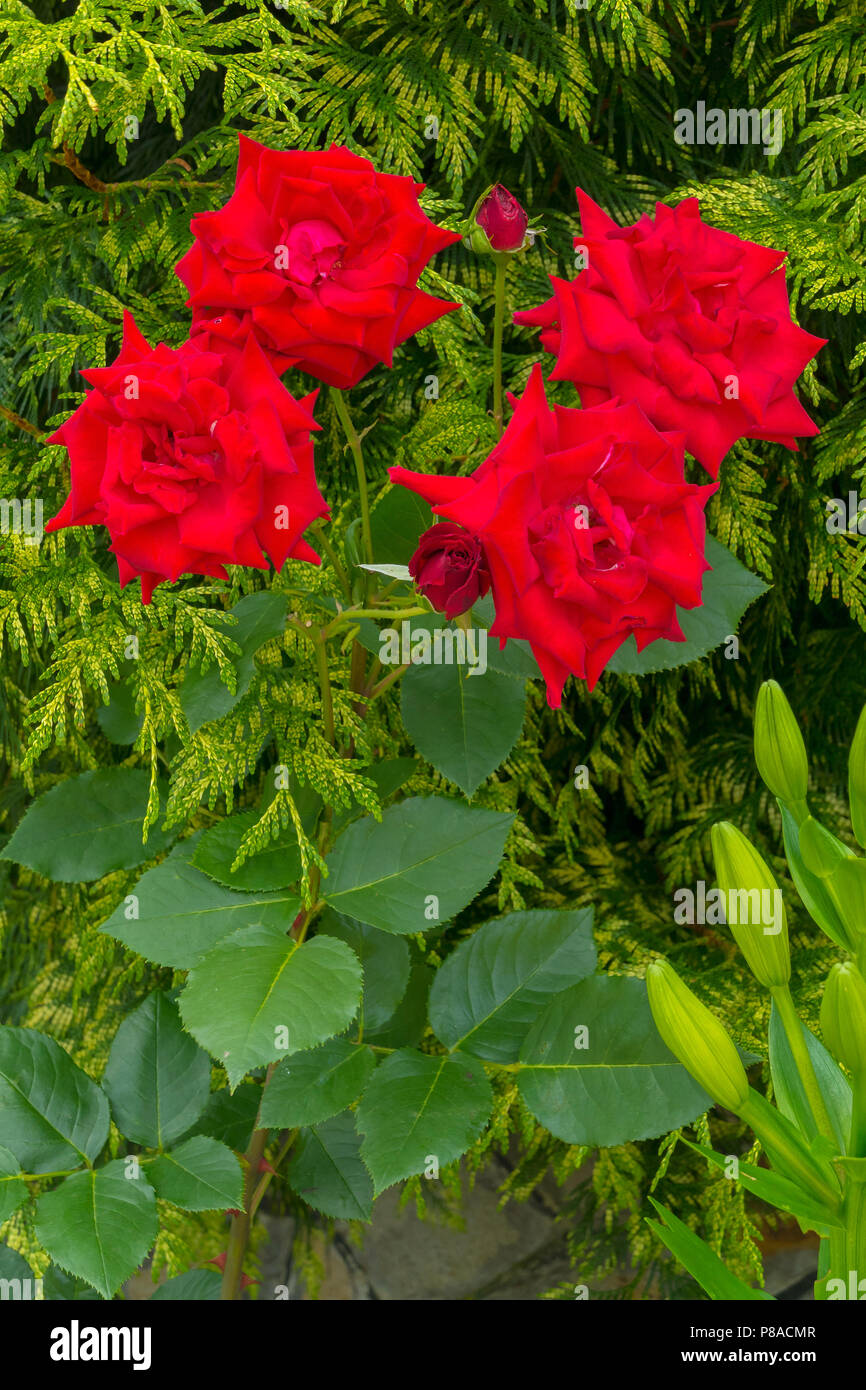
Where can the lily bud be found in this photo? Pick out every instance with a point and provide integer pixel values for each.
(843, 1017)
(498, 222)
(857, 780)
(779, 748)
(696, 1037)
(754, 909)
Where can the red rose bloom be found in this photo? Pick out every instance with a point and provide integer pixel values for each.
(589, 531)
(688, 321)
(449, 569)
(321, 254)
(193, 460)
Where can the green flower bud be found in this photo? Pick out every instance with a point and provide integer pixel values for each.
(754, 909)
(843, 1017)
(857, 780)
(779, 748)
(696, 1037)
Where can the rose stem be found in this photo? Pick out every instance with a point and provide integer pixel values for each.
(239, 1232)
(357, 452)
(498, 323)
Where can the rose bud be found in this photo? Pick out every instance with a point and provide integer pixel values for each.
(450, 569)
(779, 748)
(754, 910)
(696, 1037)
(502, 220)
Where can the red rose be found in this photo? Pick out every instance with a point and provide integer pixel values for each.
(449, 569)
(588, 528)
(688, 321)
(502, 219)
(193, 460)
(321, 254)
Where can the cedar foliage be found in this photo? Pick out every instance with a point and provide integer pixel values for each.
(119, 122)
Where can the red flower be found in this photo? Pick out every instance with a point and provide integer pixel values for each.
(449, 569)
(502, 219)
(321, 254)
(193, 460)
(688, 321)
(589, 530)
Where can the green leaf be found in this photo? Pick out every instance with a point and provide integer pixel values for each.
(516, 658)
(200, 1175)
(51, 1114)
(462, 721)
(13, 1192)
(181, 914)
(812, 889)
(258, 996)
(416, 1107)
(196, 1285)
(396, 523)
(313, 1086)
(204, 697)
(777, 1191)
(14, 1266)
(327, 1172)
(384, 959)
(702, 1263)
(118, 719)
(422, 863)
(624, 1085)
(390, 571)
(788, 1088)
(275, 867)
(489, 992)
(728, 589)
(88, 826)
(406, 1026)
(99, 1225)
(230, 1116)
(157, 1078)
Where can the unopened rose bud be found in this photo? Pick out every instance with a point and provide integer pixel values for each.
(696, 1037)
(754, 909)
(502, 220)
(779, 748)
(450, 569)
(843, 1017)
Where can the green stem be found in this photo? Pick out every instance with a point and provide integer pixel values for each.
(324, 684)
(857, 1142)
(498, 325)
(239, 1232)
(803, 1062)
(855, 1231)
(358, 454)
(342, 576)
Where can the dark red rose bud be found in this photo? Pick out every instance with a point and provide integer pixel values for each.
(502, 219)
(450, 569)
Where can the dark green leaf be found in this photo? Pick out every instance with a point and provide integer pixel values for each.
(99, 1225)
(313, 1086)
(327, 1172)
(51, 1114)
(157, 1077)
(199, 1175)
